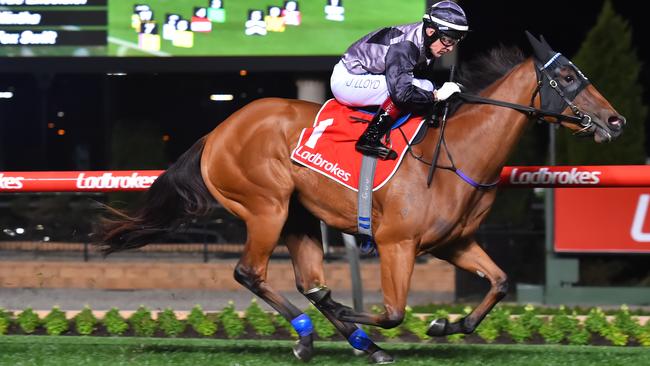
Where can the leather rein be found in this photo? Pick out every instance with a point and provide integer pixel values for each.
(579, 118)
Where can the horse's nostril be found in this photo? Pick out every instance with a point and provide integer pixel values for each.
(615, 122)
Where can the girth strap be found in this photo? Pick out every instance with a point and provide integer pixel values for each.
(364, 203)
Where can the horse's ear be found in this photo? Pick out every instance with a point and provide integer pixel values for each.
(550, 49)
(541, 49)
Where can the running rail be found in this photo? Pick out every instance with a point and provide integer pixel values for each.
(511, 177)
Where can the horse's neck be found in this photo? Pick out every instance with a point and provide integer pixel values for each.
(481, 137)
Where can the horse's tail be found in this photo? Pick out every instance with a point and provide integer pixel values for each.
(177, 195)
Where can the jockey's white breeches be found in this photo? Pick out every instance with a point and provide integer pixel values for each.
(362, 90)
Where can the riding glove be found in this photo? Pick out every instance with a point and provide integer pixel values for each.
(446, 90)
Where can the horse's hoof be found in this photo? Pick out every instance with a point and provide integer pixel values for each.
(302, 352)
(437, 327)
(380, 357)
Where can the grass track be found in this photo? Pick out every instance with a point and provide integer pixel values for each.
(72, 351)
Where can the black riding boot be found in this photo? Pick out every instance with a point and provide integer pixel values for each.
(370, 141)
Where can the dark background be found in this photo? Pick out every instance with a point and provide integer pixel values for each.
(171, 96)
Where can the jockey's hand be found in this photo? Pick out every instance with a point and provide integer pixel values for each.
(446, 90)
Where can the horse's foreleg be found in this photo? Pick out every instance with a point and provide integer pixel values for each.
(307, 257)
(397, 262)
(250, 271)
(473, 258)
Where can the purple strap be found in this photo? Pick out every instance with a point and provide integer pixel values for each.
(472, 183)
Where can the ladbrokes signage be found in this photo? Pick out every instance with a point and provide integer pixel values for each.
(11, 182)
(110, 181)
(92, 181)
(607, 220)
(544, 176)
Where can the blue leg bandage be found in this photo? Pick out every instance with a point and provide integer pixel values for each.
(359, 340)
(302, 324)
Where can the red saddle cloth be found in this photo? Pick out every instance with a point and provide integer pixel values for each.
(328, 146)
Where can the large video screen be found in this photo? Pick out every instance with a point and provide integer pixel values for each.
(210, 28)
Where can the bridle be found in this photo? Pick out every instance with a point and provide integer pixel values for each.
(544, 81)
(584, 120)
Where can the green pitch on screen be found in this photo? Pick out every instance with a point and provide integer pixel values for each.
(315, 36)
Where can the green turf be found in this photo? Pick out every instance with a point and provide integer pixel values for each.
(71, 351)
(315, 36)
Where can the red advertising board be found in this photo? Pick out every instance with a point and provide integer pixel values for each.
(587, 219)
(602, 220)
(78, 181)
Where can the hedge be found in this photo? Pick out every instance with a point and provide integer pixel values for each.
(565, 326)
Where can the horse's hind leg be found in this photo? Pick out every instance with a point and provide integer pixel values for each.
(307, 256)
(472, 258)
(263, 233)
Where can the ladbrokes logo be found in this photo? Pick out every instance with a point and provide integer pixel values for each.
(11, 182)
(544, 176)
(317, 160)
(108, 181)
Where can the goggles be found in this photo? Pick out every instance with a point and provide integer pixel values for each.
(448, 41)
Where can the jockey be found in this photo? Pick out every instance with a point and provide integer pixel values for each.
(390, 67)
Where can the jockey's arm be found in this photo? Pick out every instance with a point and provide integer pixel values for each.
(400, 62)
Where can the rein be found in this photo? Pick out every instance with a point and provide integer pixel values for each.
(580, 118)
(433, 166)
(531, 111)
(443, 123)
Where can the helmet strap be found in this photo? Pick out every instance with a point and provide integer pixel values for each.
(428, 40)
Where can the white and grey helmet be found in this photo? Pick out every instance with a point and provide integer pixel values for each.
(447, 18)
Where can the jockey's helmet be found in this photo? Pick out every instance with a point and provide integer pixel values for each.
(448, 19)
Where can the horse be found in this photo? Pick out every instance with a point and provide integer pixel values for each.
(245, 165)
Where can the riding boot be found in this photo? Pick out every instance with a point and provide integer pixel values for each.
(370, 141)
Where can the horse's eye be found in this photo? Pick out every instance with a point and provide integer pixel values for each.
(569, 78)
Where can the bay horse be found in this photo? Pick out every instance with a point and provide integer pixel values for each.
(244, 163)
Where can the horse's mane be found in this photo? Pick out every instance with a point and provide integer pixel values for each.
(478, 73)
